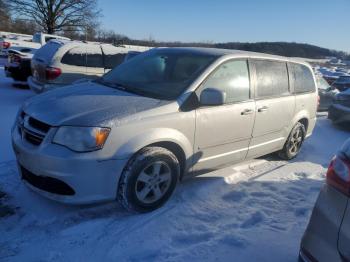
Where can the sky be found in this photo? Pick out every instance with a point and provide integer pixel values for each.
(320, 22)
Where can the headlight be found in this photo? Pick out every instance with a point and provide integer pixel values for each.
(81, 139)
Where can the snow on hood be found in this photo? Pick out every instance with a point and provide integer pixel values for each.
(86, 104)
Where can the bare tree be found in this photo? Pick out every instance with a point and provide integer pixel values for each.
(5, 20)
(56, 15)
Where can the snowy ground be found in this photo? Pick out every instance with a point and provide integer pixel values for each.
(254, 211)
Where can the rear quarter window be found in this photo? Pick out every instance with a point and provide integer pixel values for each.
(271, 78)
(94, 60)
(111, 61)
(74, 57)
(302, 78)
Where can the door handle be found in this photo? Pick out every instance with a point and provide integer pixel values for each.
(262, 109)
(247, 112)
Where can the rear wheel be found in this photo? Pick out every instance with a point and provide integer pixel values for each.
(148, 180)
(294, 142)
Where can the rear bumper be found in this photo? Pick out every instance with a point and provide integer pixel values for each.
(39, 87)
(7, 71)
(35, 86)
(338, 113)
(17, 72)
(320, 240)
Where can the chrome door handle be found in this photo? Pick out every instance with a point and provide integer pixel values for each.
(262, 109)
(247, 112)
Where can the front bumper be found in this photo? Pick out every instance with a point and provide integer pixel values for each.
(93, 179)
(339, 113)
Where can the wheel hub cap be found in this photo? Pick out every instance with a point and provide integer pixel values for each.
(153, 182)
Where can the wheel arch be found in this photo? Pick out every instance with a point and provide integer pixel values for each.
(171, 139)
(302, 117)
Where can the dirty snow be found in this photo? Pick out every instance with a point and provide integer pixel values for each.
(254, 211)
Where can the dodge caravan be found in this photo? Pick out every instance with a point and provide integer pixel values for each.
(132, 134)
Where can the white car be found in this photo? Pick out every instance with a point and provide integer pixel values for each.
(23, 43)
(60, 63)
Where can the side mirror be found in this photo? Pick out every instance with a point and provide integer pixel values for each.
(212, 97)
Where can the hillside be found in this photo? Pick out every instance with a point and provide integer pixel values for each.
(276, 48)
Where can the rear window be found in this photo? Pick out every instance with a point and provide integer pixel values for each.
(47, 52)
(302, 78)
(75, 57)
(271, 78)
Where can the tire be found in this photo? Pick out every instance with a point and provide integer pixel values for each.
(148, 180)
(294, 142)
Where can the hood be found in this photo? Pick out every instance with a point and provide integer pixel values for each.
(86, 104)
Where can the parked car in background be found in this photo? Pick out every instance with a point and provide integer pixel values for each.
(133, 133)
(339, 111)
(60, 63)
(342, 83)
(18, 43)
(331, 77)
(18, 66)
(327, 237)
(326, 94)
(10, 34)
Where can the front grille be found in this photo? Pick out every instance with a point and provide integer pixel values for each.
(48, 184)
(31, 129)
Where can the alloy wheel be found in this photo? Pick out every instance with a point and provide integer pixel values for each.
(153, 182)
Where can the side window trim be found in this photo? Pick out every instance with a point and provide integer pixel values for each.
(199, 89)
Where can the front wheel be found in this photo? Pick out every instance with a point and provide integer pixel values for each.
(293, 144)
(148, 180)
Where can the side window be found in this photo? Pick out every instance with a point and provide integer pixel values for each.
(113, 60)
(74, 57)
(271, 78)
(94, 60)
(302, 78)
(232, 78)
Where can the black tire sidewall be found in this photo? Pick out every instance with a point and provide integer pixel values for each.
(133, 170)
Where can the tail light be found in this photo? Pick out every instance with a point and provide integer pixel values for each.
(5, 45)
(52, 73)
(318, 101)
(338, 174)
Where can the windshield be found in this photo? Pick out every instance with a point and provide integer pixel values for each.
(161, 73)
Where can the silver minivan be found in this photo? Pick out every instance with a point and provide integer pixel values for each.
(159, 117)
